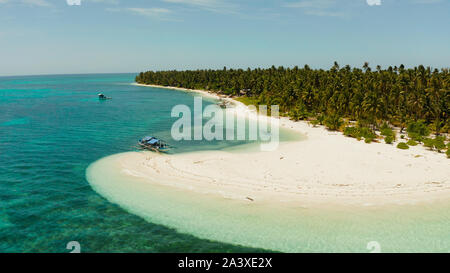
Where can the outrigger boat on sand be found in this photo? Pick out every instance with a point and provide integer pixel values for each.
(153, 144)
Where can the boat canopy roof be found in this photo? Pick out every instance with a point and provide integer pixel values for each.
(150, 140)
(147, 138)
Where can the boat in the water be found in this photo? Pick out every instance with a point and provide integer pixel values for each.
(103, 97)
(153, 144)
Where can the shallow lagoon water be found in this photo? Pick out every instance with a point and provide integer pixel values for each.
(277, 227)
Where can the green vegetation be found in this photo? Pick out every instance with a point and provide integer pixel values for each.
(351, 131)
(315, 122)
(418, 130)
(436, 143)
(360, 132)
(429, 143)
(333, 122)
(299, 113)
(396, 95)
(248, 100)
(386, 130)
(388, 133)
(389, 139)
(448, 153)
(412, 142)
(403, 146)
(417, 99)
(321, 119)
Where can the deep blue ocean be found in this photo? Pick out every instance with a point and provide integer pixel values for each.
(51, 129)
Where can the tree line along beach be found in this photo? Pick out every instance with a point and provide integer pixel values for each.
(370, 105)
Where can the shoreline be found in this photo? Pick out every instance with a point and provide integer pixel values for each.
(203, 92)
(326, 169)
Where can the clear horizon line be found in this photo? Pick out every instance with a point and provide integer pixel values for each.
(67, 74)
(288, 66)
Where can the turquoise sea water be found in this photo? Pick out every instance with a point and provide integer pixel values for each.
(53, 129)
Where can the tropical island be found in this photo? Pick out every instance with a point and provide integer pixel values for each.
(97, 156)
(326, 166)
(362, 103)
(384, 180)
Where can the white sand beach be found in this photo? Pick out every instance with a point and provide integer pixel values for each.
(325, 169)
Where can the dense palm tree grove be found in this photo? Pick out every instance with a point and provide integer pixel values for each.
(395, 95)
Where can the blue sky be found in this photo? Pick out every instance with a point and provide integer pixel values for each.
(52, 37)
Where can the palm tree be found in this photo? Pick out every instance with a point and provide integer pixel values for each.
(395, 95)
